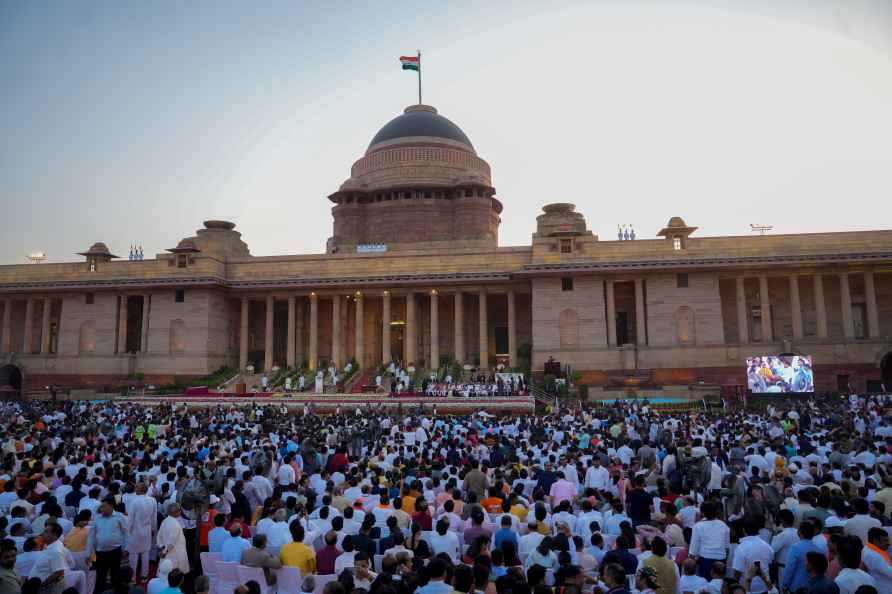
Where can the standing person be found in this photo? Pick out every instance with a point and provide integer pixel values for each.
(172, 541)
(875, 558)
(107, 541)
(142, 512)
(51, 564)
(10, 580)
(852, 576)
(710, 540)
(752, 552)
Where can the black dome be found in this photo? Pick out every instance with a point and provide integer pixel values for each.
(420, 120)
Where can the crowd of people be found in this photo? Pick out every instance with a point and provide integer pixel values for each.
(106, 497)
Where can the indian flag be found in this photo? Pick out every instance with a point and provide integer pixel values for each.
(410, 62)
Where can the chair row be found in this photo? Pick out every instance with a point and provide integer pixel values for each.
(226, 577)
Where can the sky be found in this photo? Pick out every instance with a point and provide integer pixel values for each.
(132, 122)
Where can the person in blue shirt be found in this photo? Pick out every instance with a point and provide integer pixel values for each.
(218, 534)
(174, 581)
(796, 572)
(437, 585)
(505, 534)
(232, 547)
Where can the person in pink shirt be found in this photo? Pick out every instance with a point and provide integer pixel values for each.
(561, 490)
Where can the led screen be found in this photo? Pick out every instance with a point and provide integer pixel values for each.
(778, 374)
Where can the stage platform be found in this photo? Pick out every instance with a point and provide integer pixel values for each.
(329, 403)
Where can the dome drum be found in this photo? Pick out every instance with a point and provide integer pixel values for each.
(419, 180)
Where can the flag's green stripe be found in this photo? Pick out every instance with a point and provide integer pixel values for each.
(410, 67)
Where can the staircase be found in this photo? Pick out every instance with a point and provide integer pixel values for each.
(542, 397)
(360, 380)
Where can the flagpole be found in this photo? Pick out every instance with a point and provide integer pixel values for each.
(419, 77)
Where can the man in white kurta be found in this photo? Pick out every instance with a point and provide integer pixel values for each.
(172, 541)
(142, 512)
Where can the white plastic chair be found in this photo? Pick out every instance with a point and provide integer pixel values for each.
(288, 580)
(246, 574)
(322, 580)
(209, 568)
(227, 577)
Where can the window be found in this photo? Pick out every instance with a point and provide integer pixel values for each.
(681, 280)
(180, 296)
(567, 284)
(92, 265)
(676, 243)
(89, 298)
(568, 328)
(87, 337)
(566, 246)
(181, 261)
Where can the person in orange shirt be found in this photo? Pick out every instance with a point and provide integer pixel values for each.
(493, 503)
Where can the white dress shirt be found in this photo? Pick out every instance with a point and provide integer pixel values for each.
(781, 543)
(710, 539)
(445, 543)
(850, 580)
(753, 549)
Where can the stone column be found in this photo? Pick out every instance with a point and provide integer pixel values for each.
(484, 332)
(386, 355)
(336, 328)
(743, 324)
(122, 326)
(460, 328)
(512, 331)
(243, 334)
(434, 363)
(410, 345)
(765, 307)
(6, 330)
(820, 308)
(268, 335)
(146, 304)
(845, 296)
(45, 327)
(299, 332)
(796, 307)
(313, 359)
(611, 315)
(640, 319)
(870, 294)
(360, 331)
(29, 327)
(292, 322)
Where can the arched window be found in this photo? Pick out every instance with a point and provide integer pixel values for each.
(568, 325)
(87, 338)
(177, 337)
(684, 324)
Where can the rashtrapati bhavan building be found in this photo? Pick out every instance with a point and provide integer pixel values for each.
(413, 271)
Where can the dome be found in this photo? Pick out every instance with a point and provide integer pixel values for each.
(98, 249)
(420, 120)
(676, 222)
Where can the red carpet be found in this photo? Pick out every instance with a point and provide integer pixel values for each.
(363, 380)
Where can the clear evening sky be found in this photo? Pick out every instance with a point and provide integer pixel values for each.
(132, 122)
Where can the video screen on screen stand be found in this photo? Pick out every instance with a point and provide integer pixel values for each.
(778, 374)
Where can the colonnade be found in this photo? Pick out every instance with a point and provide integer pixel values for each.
(295, 338)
